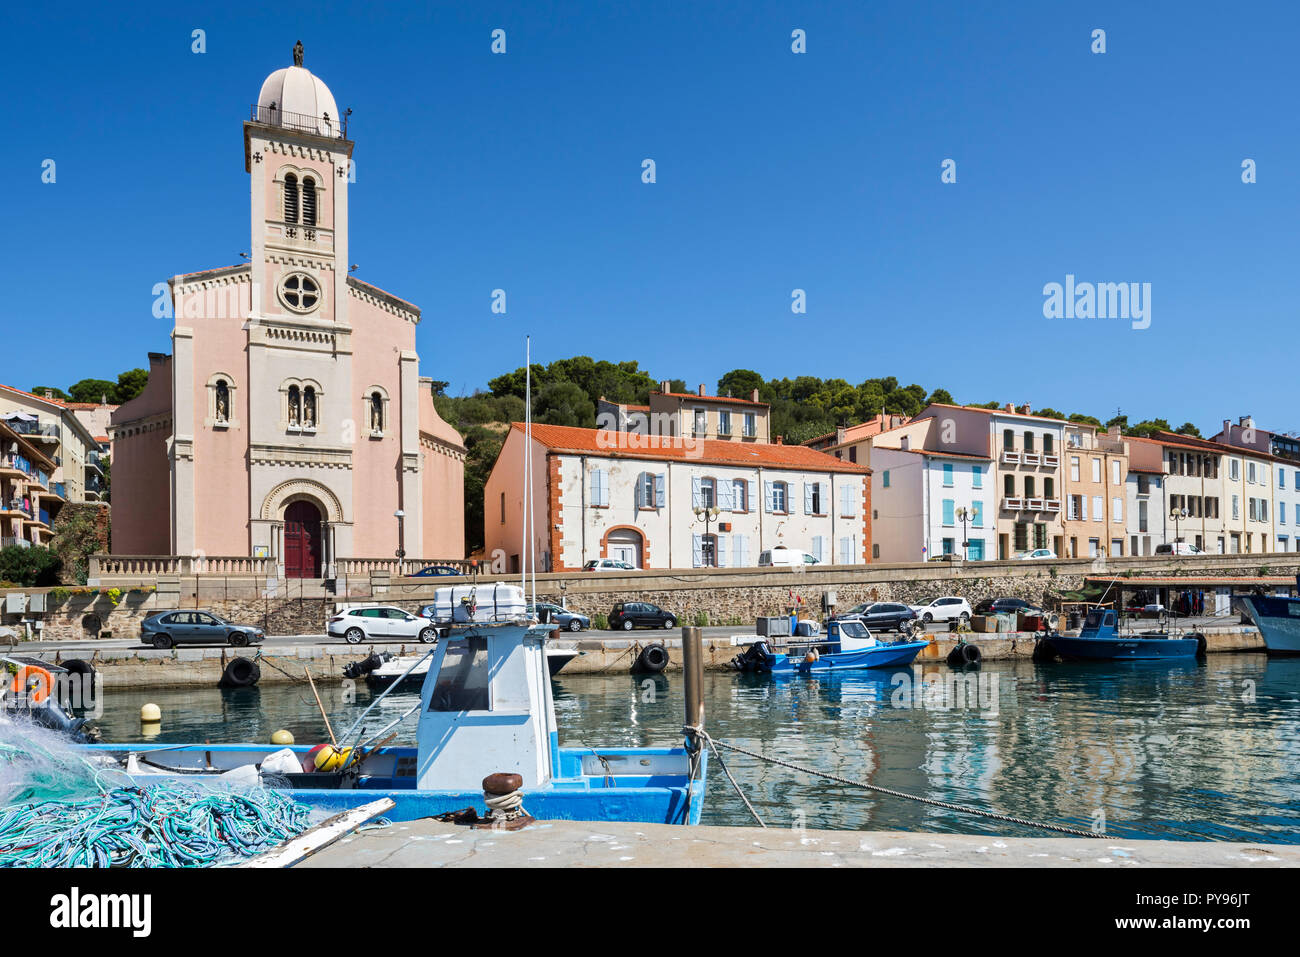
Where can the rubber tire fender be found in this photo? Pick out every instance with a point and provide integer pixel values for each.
(240, 673)
(652, 660)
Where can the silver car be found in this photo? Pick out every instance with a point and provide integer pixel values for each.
(380, 623)
(168, 628)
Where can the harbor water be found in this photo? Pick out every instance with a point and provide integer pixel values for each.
(1178, 750)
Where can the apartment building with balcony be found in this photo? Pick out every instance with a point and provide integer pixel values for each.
(930, 497)
(1095, 477)
(1277, 455)
(1146, 513)
(690, 415)
(1196, 481)
(29, 498)
(64, 438)
(1027, 464)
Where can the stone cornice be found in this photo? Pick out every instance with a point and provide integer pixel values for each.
(300, 457)
(376, 297)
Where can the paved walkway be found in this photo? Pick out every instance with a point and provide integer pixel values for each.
(429, 843)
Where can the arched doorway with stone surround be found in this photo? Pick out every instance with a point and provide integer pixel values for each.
(305, 519)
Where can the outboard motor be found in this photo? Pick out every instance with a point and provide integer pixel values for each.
(753, 658)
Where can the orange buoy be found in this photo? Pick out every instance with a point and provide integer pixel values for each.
(33, 683)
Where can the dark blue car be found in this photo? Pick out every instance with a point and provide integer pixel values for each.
(436, 571)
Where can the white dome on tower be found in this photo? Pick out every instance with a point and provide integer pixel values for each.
(295, 98)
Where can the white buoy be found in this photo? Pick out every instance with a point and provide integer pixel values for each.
(150, 714)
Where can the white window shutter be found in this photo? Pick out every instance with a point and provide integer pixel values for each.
(828, 502)
(768, 488)
(695, 492)
(738, 556)
(604, 487)
(751, 500)
(724, 495)
(1083, 502)
(818, 548)
(659, 490)
(720, 551)
(807, 498)
(697, 550)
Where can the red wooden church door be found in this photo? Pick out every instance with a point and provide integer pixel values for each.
(302, 539)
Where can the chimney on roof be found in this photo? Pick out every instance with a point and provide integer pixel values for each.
(1247, 422)
(701, 390)
(754, 395)
(1227, 430)
(1113, 431)
(780, 440)
(1026, 409)
(663, 386)
(1009, 407)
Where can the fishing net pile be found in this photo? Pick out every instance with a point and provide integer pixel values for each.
(58, 809)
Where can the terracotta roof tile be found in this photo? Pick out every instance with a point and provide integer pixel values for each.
(563, 438)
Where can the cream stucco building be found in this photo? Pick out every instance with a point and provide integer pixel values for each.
(290, 420)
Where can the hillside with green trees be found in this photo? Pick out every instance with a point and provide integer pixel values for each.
(129, 384)
(565, 392)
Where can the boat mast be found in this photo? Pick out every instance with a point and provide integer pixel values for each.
(528, 455)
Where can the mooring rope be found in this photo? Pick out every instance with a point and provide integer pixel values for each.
(947, 805)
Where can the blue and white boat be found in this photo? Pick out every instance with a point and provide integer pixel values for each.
(847, 646)
(1278, 619)
(1101, 640)
(485, 709)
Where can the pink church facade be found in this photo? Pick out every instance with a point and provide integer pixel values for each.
(290, 421)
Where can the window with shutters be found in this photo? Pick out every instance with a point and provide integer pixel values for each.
(646, 490)
(739, 495)
(308, 202)
(780, 497)
(848, 502)
(708, 493)
(291, 204)
(815, 491)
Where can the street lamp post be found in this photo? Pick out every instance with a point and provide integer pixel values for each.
(707, 514)
(1178, 514)
(401, 541)
(965, 514)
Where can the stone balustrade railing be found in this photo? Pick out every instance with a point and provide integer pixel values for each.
(153, 566)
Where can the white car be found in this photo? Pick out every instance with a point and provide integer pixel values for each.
(1037, 553)
(607, 565)
(380, 623)
(943, 609)
(782, 557)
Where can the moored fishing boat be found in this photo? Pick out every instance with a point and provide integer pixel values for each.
(1101, 640)
(485, 710)
(847, 646)
(1278, 619)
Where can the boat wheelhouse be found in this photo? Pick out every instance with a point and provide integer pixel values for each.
(1101, 639)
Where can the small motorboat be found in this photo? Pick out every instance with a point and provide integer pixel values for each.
(1278, 619)
(847, 646)
(1101, 640)
(40, 692)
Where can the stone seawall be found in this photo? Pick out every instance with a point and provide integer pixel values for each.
(732, 597)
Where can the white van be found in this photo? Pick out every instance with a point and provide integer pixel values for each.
(782, 557)
(1178, 548)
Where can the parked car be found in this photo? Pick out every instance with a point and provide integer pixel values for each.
(380, 623)
(880, 615)
(1178, 548)
(607, 565)
(569, 620)
(782, 557)
(1035, 554)
(640, 614)
(436, 571)
(1000, 606)
(168, 628)
(944, 609)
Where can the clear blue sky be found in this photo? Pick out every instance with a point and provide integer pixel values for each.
(775, 171)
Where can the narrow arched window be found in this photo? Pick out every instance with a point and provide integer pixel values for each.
(308, 201)
(291, 198)
(376, 412)
(309, 408)
(295, 405)
(223, 401)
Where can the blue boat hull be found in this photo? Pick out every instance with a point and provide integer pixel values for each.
(1122, 649)
(1278, 621)
(576, 793)
(881, 656)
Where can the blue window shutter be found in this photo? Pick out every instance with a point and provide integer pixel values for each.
(948, 517)
(807, 498)
(751, 499)
(640, 490)
(696, 497)
(767, 495)
(977, 476)
(978, 509)
(947, 474)
(697, 550)
(659, 490)
(724, 495)
(720, 551)
(604, 487)
(739, 550)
